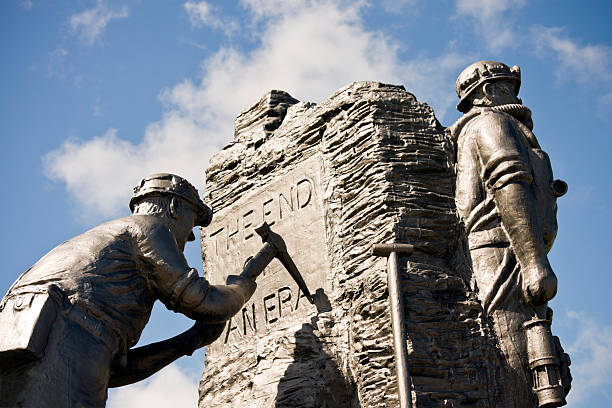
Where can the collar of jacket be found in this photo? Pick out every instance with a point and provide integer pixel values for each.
(517, 111)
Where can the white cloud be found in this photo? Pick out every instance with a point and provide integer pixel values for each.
(168, 388)
(56, 64)
(199, 13)
(398, 6)
(591, 354)
(304, 51)
(492, 20)
(25, 4)
(495, 22)
(101, 172)
(587, 64)
(89, 24)
(486, 9)
(310, 50)
(268, 8)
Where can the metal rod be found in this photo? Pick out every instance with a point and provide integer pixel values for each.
(399, 333)
(398, 321)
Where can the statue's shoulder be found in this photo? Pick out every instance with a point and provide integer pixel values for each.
(458, 128)
(479, 120)
(135, 225)
(144, 225)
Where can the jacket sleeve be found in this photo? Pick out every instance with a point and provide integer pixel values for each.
(502, 151)
(181, 288)
(507, 176)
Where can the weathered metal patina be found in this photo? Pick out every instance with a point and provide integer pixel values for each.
(506, 199)
(69, 322)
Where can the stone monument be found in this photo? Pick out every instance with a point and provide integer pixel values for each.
(398, 263)
(369, 165)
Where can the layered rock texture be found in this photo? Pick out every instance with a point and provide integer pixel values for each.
(369, 165)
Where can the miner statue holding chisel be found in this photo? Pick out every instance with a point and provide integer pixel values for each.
(70, 322)
(506, 199)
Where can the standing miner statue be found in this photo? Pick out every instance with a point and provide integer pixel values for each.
(506, 198)
(68, 324)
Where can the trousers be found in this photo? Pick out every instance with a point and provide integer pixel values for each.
(499, 281)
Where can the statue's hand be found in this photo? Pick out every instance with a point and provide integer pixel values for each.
(202, 334)
(539, 284)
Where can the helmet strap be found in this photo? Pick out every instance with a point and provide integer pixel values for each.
(174, 211)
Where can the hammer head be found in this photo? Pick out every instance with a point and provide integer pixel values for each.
(277, 242)
(267, 235)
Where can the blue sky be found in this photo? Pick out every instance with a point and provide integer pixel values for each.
(97, 94)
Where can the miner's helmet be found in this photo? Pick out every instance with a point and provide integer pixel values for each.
(165, 184)
(484, 71)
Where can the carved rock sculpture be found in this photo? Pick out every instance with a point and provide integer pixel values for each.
(369, 165)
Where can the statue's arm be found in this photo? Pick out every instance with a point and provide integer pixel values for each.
(507, 176)
(144, 361)
(181, 288)
(221, 302)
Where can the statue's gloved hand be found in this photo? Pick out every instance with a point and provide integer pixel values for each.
(247, 285)
(539, 284)
(201, 334)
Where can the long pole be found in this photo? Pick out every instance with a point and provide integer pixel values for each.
(398, 321)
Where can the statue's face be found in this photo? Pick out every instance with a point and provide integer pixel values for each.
(501, 92)
(184, 224)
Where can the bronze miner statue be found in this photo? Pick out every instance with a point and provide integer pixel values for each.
(506, 198)
(68, 324)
